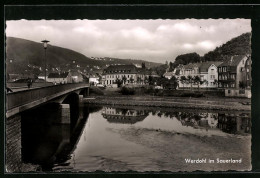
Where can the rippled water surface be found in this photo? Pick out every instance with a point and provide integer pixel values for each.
(121, 139)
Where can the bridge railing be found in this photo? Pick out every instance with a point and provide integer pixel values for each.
(20, 98)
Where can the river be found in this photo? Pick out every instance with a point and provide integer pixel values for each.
(146, 139)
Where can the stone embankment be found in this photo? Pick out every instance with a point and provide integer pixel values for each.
(236, 104)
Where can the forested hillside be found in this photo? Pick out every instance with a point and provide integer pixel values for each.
(240, 45)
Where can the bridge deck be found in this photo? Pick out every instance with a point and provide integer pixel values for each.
(18, 101)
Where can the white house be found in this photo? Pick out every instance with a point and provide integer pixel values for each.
(59, 78)
(94, 78)
(206, 71)
(76, 77)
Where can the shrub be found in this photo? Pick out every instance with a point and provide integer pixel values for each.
(95, 91)
(196, 95)
(127, 91)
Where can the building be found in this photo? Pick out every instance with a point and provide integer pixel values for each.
(235, 123)
(206, 71)
(76, 77)
(247, 73)
(128, 74)
(93, 79)
(209, 74)
(235, 76)
(169, 75)
(59, 78)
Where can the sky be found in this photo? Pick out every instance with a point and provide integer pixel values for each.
(151, 40)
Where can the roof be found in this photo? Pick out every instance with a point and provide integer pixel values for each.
(75, 73)
(205, 65)
(191, 65)
(57, 75)
(119, 69)
(232, 61)
(169, 74)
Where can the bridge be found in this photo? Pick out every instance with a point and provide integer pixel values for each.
(20, 101)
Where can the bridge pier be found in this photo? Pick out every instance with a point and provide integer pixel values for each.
(64, 114)
(81, 97)
(86, 92)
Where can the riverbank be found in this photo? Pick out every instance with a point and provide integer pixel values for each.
(225, 104)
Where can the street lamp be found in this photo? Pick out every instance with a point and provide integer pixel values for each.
(45, 48)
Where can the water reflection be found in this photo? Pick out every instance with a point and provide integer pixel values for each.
(44, 141)
(233, 123)
(139, 139)
(127, 116)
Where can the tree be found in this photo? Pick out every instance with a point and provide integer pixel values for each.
(150, 80)
(197, 81)
(183, 80)
(174, 82)
(124, 79)
(206, 82)
(146, 79)
(119, 82)
(190, 81)
(215, 82)
(143, 65)
(186, 59)
(131, 79)
(138, 80)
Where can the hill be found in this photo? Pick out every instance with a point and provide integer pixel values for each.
(23, 53)
(240, 45)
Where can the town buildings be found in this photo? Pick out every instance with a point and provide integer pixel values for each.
(59, 78)
(206, 71)
(65, 77)
(247, 73)
(128, 74)
(169, 75)
(235, 76)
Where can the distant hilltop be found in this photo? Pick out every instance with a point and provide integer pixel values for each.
(240, 45)
(23, 53)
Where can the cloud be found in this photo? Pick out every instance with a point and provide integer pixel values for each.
(153, 40)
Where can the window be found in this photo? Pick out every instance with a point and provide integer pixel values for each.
(247, 70)
(212, 76)
(241, 91)
(247, 77)
(229, 91)
(232, 85)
